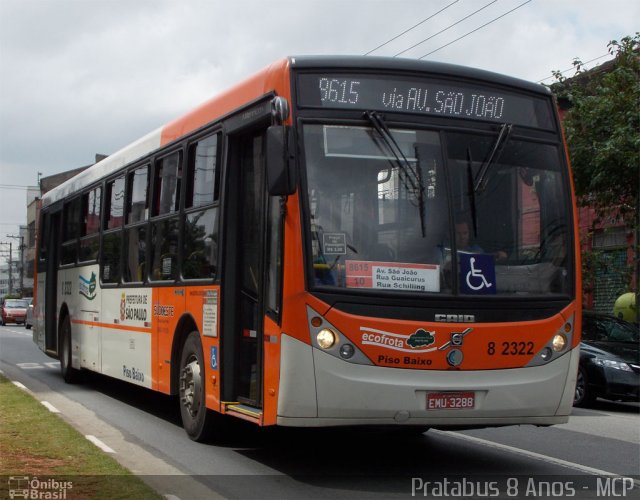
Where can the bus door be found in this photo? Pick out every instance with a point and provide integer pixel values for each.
(244, 269)
(52, 235)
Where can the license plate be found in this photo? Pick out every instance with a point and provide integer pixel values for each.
(451, 400)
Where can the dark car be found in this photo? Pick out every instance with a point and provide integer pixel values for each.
(13, 311)
(609, 360)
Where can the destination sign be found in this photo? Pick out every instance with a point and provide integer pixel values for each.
(434, 97)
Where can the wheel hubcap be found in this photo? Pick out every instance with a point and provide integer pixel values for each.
(190, 386)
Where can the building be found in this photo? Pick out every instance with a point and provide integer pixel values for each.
(8, 281)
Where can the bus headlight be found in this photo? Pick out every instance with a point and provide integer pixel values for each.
(326, 338)
(559, 342)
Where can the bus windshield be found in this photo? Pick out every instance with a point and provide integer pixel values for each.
(428, 211)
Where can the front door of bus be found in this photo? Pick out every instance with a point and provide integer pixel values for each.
(243, 275)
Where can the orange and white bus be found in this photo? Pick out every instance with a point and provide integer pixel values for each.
(334, 241)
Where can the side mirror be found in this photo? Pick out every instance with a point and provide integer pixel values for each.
(280, 174)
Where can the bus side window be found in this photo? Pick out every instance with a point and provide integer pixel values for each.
(200, 244)
(110, 264)
(202, 173)
(138, 205)
(111, 252)
(167, 177)
(90, 227)
(71, 230)
(164, 249)
(135, 254)
(114, 207)
(200, 233)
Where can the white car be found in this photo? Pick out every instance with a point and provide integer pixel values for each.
(28, 320)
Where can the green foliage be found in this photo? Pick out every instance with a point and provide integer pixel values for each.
(602, 128)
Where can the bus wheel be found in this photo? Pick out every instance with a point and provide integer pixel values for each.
(69, 374)
(196, 419)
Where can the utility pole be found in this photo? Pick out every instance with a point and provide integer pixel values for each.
(10, 265)
(10, 270)
(21, 238)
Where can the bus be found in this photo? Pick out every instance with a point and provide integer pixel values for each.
(335, 241)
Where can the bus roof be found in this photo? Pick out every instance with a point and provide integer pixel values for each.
(272, 77)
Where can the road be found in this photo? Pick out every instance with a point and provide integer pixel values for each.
(598, 448)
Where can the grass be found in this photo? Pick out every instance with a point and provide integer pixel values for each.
(36, 443)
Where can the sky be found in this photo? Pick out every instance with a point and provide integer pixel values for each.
(81, 77)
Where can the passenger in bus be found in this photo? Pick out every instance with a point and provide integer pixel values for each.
(463, 238)
(465, 244)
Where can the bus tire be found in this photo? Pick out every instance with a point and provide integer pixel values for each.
(196, 418)
(69, 374)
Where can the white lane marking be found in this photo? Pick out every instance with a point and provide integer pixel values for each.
(531, 454)
(99, 444)
(50, 407)
(20, 385)
(169, 496)
(1, 372)
(18, 332)
(29, 366)
(39, 366)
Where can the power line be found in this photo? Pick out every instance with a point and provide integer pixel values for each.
(477, 29)
(572, 67)
(412, 27)
(16, 186)
(445, 29)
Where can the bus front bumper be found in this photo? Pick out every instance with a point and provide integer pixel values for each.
(317, 390)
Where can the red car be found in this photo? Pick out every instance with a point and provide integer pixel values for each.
(13, 311)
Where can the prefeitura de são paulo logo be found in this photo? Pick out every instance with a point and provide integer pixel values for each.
(123, 306)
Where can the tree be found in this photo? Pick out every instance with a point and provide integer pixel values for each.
(602, 128)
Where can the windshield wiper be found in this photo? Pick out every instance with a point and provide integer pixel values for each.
(496, 151)
(472, 194)
(412, 176)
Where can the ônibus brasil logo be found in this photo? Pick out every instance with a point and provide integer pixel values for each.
(87, 287)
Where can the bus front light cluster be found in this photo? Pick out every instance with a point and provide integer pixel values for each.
(326, 338)
(559, 344)
(329, 339)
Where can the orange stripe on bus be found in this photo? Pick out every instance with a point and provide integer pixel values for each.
(112, 326)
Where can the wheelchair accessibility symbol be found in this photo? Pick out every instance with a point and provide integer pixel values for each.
(477, 274)
(214, 358)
